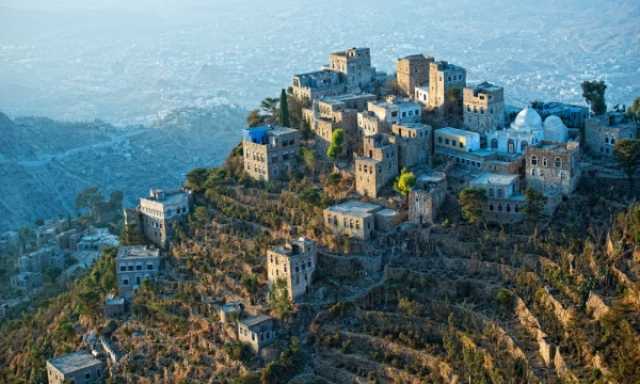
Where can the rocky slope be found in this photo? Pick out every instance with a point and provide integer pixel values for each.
(44, 163)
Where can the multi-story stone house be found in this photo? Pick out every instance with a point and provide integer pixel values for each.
(134, 264)
(159, 211)
(378, 165)
(311, 85)
(358, 220)
(444, 77)
(603, 132)
(553, 168)
(77, 368)
(483, 108)
(355, 65)
(411, 72)
(456, 139)
(427, 197)
(270, 152)
(330, 113)
(395, 111)
(258, 332)
(504, 201)
(414, 143)
(293, 263)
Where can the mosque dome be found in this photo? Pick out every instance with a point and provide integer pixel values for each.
(528, 119)
(555, 130)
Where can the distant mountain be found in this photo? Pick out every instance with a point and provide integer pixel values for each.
(44, 163)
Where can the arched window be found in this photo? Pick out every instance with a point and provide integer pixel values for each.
(523, 146)
(606, 140)
(508, 207)
(544, 162)
(558, 162)
(612, 141)
(534, 160)
(494, 143)
(511, 146)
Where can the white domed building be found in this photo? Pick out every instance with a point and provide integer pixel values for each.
(555, 131)
(526, 130)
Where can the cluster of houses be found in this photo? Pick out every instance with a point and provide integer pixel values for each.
(494, 148)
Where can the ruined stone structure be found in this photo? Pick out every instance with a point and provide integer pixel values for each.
(134, 264)
(311, 85)
(294, 263)
(270, 152)
(378, 166)
(355, 65)
(427, 197)
(77, 368)
(412, 72)
(444, 77)
(553, 169)
(483, 108)
(357, 219)
(603, 132)
(504, 201)
(258, 332)
(159, 211)
(330, 113)
(413, 141)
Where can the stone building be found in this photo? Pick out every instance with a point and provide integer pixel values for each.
(258, 332)
(159, 211)
(444, 77)
(413, 141)
(378, 166)
(456, 139)
(77, 368)
(114, 306)
(270, 152)
(311, 85)
(427, 197)
(134, 264)
(230, 311)
(330, 113)
(483, 108)
(294, 263)
(411, 72)
(357, 219)
(603, 132)
(552, 168)
(504, 202)
(369, 124)
(421, 95)
(355, 65)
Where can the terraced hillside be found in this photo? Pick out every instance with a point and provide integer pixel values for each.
(555, 302)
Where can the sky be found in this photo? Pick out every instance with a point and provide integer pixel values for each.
(134, 61)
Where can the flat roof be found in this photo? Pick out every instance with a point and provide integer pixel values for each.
(486, 87)
(277, 131)
(168, 197)
(494, 178)
(256, 320)
(413, 125)
(432, 177)
(387, 212)
(74, 361)
(355, 208)
(133, 251)
(346, 97)
(458, 132)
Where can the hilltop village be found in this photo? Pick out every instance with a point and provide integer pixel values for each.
(372, 228)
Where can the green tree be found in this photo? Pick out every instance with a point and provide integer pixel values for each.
(535, 204)
(270, 105)
(279, 298)
(594, 94)
(472, 201)
(201, 216)
(309, 158)
(284, 110)
(633, 112)
(405, 182)
(627, 154)
(337, 140)
(196, 179)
